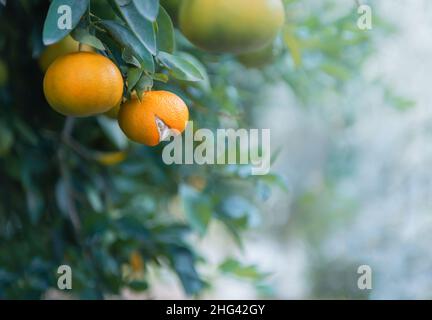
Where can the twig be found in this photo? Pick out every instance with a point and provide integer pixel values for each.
(66, 137)
(70, 203)
(95, 17)
(68, 127)
(78, 148)
(68, 140)
(98, 28)
(200, 108)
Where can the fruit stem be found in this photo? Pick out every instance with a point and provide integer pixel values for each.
(80, 45)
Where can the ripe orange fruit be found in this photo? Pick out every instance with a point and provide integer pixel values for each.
(148, 121)
(111, 158)
(136, 262)
(233, 26)
(82, 84)
(64, 46)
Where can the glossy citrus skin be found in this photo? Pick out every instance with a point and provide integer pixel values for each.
(83, 84)
(64, 46)
(233, 26)
(137, 118)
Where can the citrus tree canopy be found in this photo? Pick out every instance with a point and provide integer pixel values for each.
(80, 187)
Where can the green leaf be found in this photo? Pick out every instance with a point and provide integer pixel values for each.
(147, 8)
(25, 131)
(234, 267)
(162, 77)
(336, 70)
(138, 286)
(240, 209)
(113, 132)
(180, 68)
(56, 17)
(183, 262)
(293, 44)
(123, 2)
(132, 228)
(165, 32)
(61, 195)
(35, 204)
(398, 102)
(6, 139)
(275, 155)
(84, 36)
(141, 27)
(133, 76)
(94, 199)
(34, 197)
(205, 83)
(127, 39)
(114, 50)
(144, 84)
(198, 208)
(128, 57)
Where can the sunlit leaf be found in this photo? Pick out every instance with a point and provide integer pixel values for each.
(236, 268)
(84, 36)
(180, 68)
(165, 32)
(293, 44)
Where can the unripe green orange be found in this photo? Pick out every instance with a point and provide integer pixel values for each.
(233, 26)
(258, 59)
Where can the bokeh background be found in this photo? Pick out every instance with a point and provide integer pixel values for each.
(357, 164)
(350, 119)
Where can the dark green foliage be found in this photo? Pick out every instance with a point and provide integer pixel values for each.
(59, 205)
